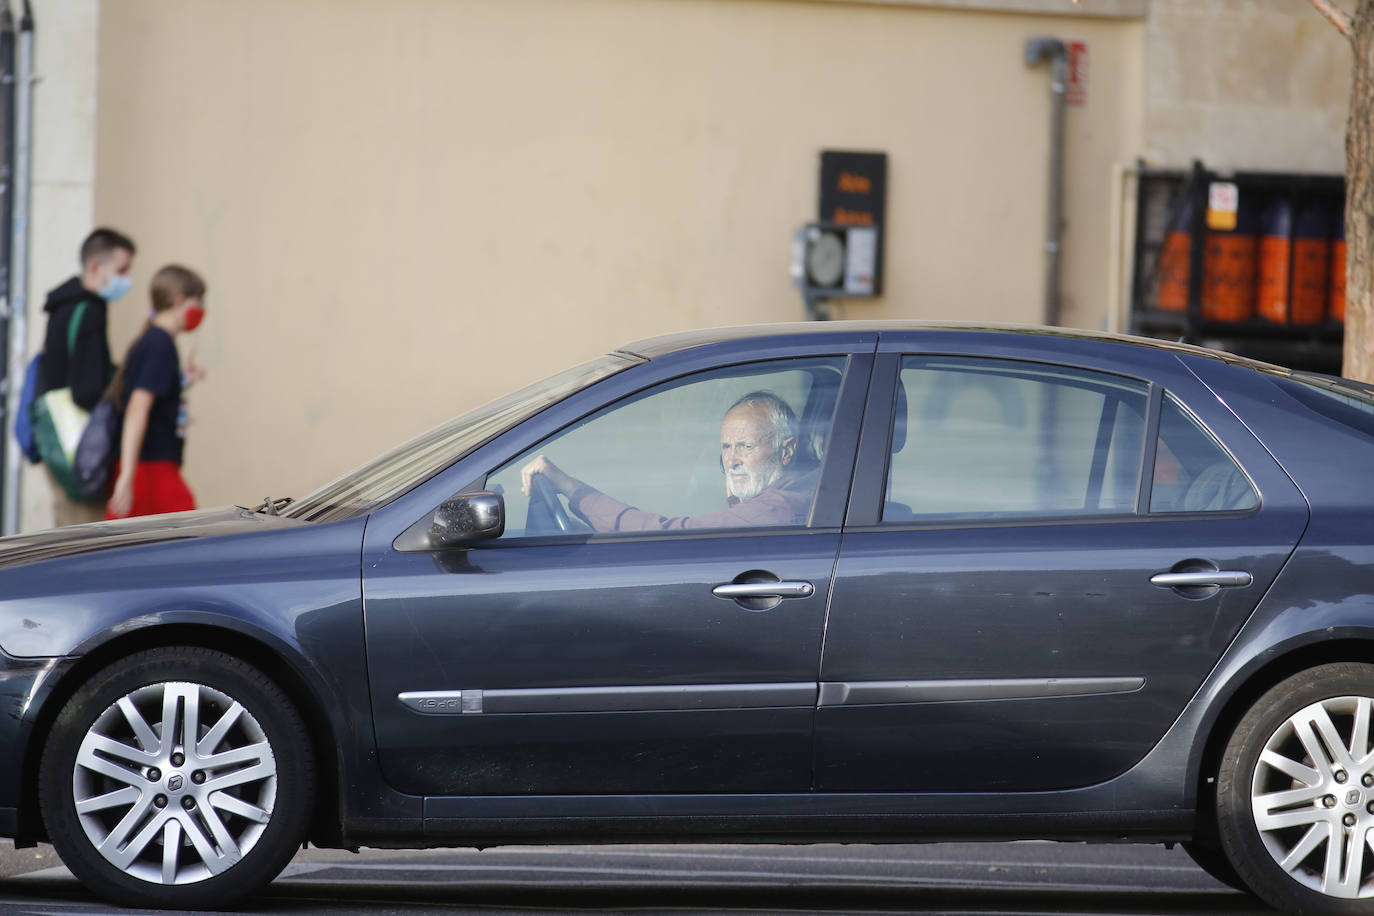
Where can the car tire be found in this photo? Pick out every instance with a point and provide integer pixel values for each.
(1212, 860)
(148, 822)
(1295, 793)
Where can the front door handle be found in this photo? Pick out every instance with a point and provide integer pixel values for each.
(1214, 578)
(784, 589)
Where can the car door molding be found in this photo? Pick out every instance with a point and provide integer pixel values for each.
(877, 693)
(609, 699)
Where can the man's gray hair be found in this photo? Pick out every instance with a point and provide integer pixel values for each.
(782, 422)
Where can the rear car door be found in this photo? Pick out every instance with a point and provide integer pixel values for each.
(1042, 561)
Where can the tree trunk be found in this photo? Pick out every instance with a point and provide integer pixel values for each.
(1359, 203)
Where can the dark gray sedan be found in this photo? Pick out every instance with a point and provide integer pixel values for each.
(824, 582)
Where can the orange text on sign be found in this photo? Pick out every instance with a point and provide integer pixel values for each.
(852, 217)
(854, 184)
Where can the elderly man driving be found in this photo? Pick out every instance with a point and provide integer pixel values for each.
(758, 451)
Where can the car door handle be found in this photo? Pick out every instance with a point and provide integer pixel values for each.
(784, 589)
(1206, 578)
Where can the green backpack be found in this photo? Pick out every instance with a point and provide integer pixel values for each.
(58, 424)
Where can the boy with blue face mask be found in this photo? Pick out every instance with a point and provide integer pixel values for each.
(82, 361)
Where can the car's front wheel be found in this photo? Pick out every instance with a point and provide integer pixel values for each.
(1295, 792)
(178, 777)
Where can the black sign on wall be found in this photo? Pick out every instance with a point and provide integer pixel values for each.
(854, 193)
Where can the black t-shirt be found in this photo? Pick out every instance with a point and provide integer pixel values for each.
(155, 366)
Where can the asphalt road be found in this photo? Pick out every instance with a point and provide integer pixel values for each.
(1002, 878)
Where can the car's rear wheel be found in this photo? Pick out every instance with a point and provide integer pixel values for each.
(1295, 792)
(177, 777)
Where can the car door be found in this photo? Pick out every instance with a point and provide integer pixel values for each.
(1041, 563)
(637, 659)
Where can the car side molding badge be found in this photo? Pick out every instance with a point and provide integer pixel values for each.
(874, 693)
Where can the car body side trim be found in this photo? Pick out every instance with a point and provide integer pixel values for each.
(873, 693)
(610, 699)
(752, 696)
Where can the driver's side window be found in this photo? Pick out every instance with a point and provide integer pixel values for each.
(739, 447)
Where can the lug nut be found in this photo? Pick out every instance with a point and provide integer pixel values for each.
(188, 803)
(178, 759)
(1368, 779)
(1340, 776)
(1349, 820)
(154, 774)
(1370, 807)
(160, 801)
(1329, 801)
(197, 777)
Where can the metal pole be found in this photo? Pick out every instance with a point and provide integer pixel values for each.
(19, 272)
(1037, 49)
(6, 217)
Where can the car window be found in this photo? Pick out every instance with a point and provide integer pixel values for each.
(722, 449)
(1193, 473)
(982, 438)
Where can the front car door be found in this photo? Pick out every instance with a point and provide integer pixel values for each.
(1046, 553)
(589, 651)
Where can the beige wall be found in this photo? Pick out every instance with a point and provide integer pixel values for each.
(405, 209)
(1259, 85)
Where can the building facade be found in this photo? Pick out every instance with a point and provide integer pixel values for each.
(405, 209)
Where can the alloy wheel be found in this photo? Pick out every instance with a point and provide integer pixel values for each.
(1312, 797)
(174, 783)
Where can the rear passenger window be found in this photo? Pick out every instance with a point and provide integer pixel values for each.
(1193, 473)
(983, 438)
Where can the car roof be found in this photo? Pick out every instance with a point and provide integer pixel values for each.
(652, 347)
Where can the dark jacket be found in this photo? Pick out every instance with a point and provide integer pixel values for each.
(89, 367)
(786, 502)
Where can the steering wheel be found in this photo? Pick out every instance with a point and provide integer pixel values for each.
(550, 497)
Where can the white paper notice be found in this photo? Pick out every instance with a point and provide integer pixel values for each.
(861, 260)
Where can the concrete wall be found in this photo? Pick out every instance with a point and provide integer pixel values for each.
(1260, 84)
(404, 209)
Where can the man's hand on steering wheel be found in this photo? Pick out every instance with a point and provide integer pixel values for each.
(544, 477)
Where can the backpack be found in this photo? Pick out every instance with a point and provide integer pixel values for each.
(97, 450)
(23, 423)
(58, 423)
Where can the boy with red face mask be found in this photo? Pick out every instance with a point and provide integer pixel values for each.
(148, 388)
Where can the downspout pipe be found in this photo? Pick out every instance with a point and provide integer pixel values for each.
(19, 263)
(1038, 49)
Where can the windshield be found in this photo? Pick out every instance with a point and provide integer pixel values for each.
(389, 476)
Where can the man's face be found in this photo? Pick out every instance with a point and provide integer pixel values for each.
(100, 271)
(751, 462)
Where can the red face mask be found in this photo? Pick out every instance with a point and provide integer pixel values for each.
(194, 316)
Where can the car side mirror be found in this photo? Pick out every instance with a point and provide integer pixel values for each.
(458, 522)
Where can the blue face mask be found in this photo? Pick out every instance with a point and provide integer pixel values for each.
(119, 285)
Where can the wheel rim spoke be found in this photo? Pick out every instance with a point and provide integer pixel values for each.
(147, 738)
(1304, 774)
(171, 846)
(206, 745)
(1340, 754)
(125, 796)
(150, 777)
(226, 802)
(1315, 836)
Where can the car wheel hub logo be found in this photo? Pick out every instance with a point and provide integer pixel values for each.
(174, 783)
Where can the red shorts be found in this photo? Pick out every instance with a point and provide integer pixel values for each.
(158, 488)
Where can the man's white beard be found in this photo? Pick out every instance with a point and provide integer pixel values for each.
(757, 480)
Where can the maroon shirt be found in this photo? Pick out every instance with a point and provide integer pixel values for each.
(786, 502)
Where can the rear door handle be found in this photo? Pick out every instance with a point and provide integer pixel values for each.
(784, 589)
(1218, 578)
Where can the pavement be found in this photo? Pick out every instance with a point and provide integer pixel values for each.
(965, 878)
